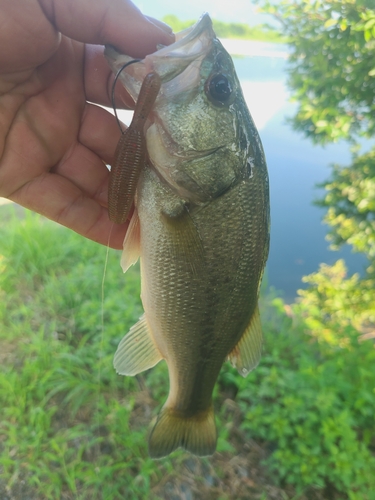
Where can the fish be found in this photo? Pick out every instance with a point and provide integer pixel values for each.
(201, 228)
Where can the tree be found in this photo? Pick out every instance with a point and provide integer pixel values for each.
(332, 76)
(332, 65)
(350, 200)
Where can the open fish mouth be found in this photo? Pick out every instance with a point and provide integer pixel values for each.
(192, 44)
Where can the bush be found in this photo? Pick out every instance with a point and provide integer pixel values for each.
(314, 404)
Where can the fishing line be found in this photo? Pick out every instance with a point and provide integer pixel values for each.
(109, 238)
(102, 327)
(113, 89)
(107, 251)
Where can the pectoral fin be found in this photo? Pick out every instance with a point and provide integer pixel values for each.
(137, 351)
(131, 246)
(245, 356)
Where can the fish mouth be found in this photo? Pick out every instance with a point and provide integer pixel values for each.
(192, 44)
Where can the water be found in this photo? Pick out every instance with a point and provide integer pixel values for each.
(298, 243)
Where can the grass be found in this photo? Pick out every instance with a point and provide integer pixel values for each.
(300, 426)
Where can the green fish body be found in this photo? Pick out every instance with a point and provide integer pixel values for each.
(201, 229)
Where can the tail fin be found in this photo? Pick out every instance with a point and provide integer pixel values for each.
(172, 430)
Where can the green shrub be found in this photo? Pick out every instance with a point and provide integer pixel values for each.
(315, 405)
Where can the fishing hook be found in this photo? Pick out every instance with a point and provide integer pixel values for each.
(113, 90)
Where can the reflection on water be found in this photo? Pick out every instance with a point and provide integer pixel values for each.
(252, 48)
(264, 100)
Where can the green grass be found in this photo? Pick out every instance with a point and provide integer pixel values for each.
(71, 428)
(65, 413)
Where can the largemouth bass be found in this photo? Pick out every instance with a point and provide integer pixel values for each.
(201, 229)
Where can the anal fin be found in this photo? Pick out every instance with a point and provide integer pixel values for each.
(137, 351)
(246, 354)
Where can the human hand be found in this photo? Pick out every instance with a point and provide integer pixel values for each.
(53, 143)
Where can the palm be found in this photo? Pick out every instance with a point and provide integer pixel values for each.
(50, 139)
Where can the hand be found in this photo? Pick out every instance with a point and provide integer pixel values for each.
(53, 143)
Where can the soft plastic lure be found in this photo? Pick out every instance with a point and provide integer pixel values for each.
(130, 155)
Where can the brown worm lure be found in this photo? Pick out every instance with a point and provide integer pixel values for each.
(130, 153)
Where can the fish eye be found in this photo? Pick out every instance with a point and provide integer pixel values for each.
(219, 89)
